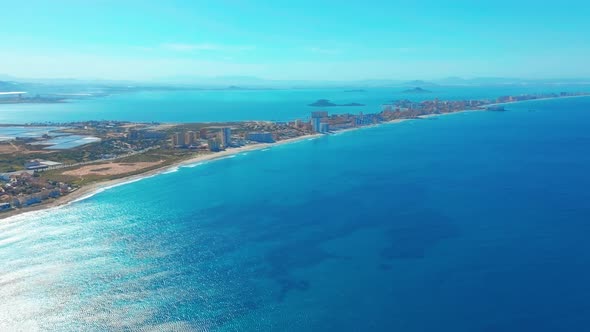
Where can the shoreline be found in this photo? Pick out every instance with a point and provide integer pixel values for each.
(92, 189)
(529, 100)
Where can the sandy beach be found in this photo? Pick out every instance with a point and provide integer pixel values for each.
(537, 99)
(91, 189)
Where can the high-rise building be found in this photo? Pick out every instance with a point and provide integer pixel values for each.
(214, 144)
(315, 124)
(262, 137)
(316, 120)
(324, 127)
(362, 120)
(178, 139)
(203, 133)
(189, 138)
(226, 137)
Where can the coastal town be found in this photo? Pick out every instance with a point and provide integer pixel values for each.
(41, 163)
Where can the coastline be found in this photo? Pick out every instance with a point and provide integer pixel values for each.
(529, 100)
(92, 189)
(443, 114)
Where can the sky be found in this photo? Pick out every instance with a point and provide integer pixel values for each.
(294, 40)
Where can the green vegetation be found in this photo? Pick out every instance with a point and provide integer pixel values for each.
(168, 157)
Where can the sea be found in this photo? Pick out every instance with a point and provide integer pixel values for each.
(241, 105)
(474, 221)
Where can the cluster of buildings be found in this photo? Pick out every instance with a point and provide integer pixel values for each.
(319, 122)
(23, 188)
(322, 123)
(267, 131)
(433, 106)
(214, 139)
(260, 137)
(508, 99)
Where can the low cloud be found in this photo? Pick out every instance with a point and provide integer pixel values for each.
(183, 47)
(326, 51)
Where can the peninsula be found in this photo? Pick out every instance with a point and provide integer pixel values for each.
(22, 98)
(43, 165)
(327, 103)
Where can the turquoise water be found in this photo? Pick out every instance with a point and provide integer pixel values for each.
(230, 105)
(69, 141)
(466, 222)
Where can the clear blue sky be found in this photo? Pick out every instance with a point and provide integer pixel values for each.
(339, 40)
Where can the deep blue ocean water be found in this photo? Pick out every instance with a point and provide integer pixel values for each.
(475, 221)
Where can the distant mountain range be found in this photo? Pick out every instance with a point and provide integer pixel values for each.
(507, 81)
(43, 86)
(249, 81)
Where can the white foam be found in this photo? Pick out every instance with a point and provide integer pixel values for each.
(12, 93)
(193, 165)
(97, 191)
(102, 189)
(29, 214)
(171, 170)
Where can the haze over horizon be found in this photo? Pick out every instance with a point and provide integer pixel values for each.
(306, 40)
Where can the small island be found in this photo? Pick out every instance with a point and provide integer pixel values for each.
(417, 90)
(355, 90)
(327, 103)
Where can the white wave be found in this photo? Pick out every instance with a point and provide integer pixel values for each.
(12, 93)
(97, 191)
(193, 165)
(102, 189)
(29, 215)
(171, 170)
